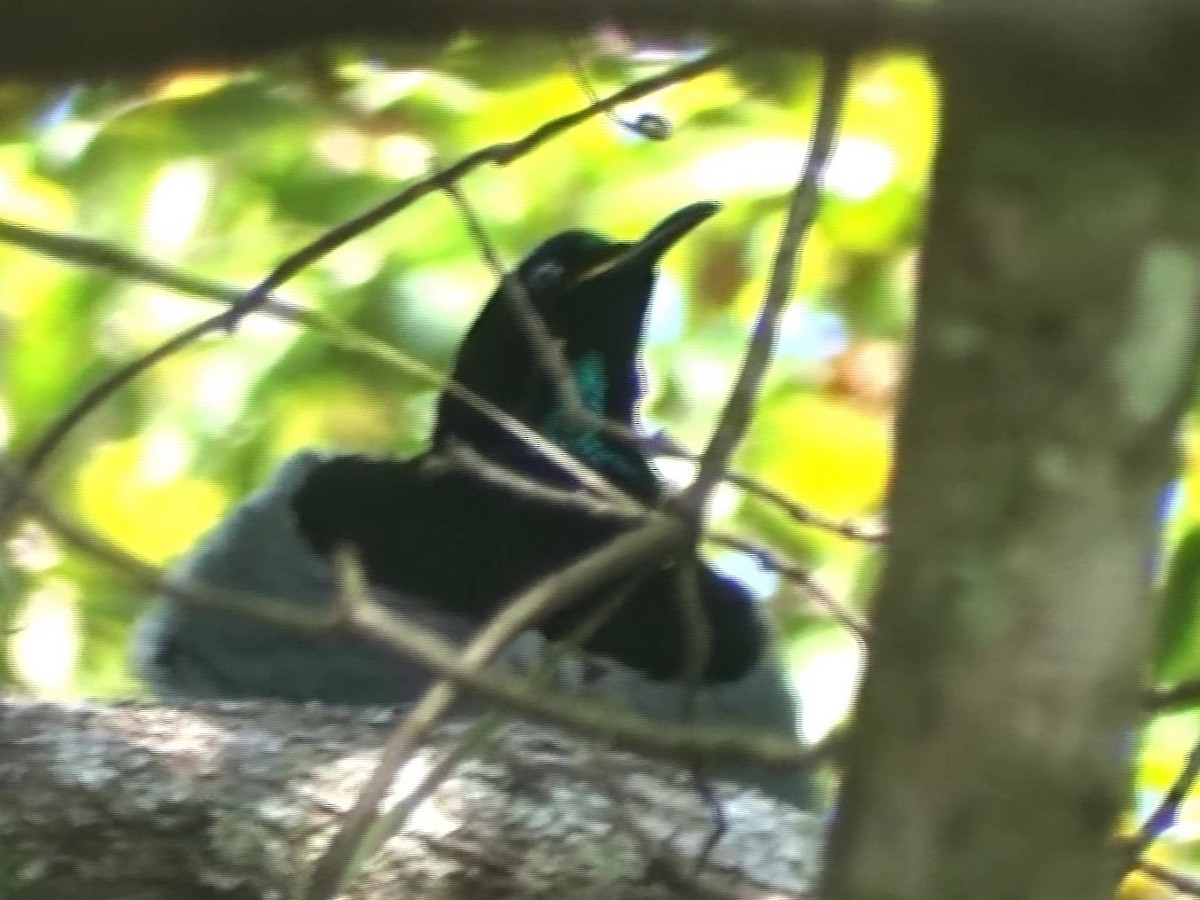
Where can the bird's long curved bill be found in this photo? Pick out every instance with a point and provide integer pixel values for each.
(659, 239)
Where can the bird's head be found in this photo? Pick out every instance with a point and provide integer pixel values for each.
(592, 294)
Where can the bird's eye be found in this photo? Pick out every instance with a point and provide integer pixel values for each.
(545, 274)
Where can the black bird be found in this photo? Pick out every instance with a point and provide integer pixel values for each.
(450, 549)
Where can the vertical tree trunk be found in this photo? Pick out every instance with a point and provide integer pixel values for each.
(1054, 354)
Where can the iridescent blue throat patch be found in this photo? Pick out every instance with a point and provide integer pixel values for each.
(589, 444)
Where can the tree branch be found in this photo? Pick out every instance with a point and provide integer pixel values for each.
(1117, 45)
(233, 799)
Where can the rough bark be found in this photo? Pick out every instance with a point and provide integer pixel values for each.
(1055, 350)
(234, 800)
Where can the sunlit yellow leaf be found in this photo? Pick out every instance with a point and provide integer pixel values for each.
(894, 100)
(1168, 739)
(824, 452)
(1140, 886)
(1191, 476)
(27, 197)
(820, 264)
(875, 225)
(134, 496)
(30, 279)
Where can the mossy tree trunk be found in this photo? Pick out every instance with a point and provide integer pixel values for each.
(1054, 355)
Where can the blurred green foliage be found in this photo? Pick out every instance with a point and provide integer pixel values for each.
(222, 173)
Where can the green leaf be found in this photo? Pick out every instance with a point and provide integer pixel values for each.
(1179, 609)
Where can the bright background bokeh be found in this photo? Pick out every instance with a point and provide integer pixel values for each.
(223, 173)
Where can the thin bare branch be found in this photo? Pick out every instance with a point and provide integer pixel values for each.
(798, 576)
(1167, 811)
(88, 251)
(652, 540)
(662, 444)
(465, 458)
(85, 251)
(44, 447)
(92, 399)
(478, 737)
(650, 126)
(498, 154)
(152, 580)
(655, 739)
(104, 255)
(547, 350)
(802, 211)
(798, 512)
(671, 742)
(510, 480)
(463, 669)
(1185, 884)
(1174, 697)
(697, 633)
